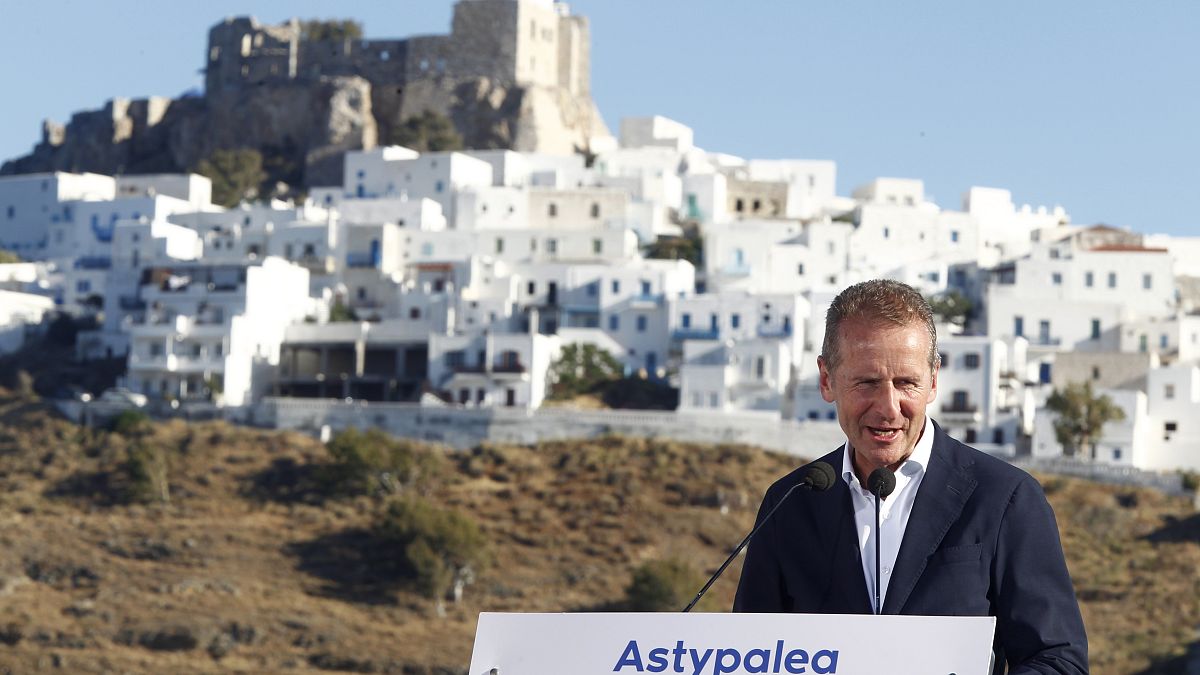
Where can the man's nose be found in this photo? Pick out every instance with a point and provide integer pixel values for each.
(887, 401)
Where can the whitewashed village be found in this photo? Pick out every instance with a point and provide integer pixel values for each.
(431, 293)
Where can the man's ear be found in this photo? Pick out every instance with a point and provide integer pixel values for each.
(826, 380)
(933, 385)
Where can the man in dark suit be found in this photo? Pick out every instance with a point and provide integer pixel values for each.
(963, 533)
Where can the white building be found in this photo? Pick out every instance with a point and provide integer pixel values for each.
(746, 376)
(1065, 295)
(1160, 431)
(488, 369)
(31, 204)
(214, 330)
(20, 313)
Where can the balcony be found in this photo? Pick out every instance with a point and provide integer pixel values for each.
(361, 260)
(961, 413)
(509, 369)
(93, 262)
(735, 270)
(774, 331)
(695, 334)
(646, 300)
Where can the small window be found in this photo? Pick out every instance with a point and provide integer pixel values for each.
(887, 232)
(954, 236)
(800, 269)
(499, 245)
(735, 320)
(552, 246)
(597, 246)
(641, 324)
(1056, 278)
(414, 313)
(1147, 281)
(1169, 391)
(552, 209)
(440, 187)
(1170, 427)
(1112, 279)
(593, 289)
(971, 360)
(1089, 279)
(1095, 372)
(616, 286)
(1095, 329)
(738, 206)
(685, 320)
(614, 322)
(532, 287)
(595, 210)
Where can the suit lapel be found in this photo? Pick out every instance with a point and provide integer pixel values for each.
(944, 490)
(833, 512)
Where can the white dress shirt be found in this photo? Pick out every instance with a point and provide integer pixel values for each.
(893, 512)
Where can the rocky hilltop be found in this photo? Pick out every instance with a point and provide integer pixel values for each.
(303, 93)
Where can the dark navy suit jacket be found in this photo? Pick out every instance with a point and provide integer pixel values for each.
(981, 541)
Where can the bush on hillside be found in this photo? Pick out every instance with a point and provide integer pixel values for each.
(373, 463)
(444, 549)
(664, 586)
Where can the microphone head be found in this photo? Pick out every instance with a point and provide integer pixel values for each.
(820, 476)
(881, 482)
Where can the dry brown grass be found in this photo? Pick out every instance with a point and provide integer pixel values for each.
(247, 569)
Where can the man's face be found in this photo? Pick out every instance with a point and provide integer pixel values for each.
(881, 387)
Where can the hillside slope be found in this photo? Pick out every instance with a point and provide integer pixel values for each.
(250, 567)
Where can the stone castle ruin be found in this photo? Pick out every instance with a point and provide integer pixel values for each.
(511, 74)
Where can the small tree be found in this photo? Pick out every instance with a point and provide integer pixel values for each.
(7, 256)
(147, 465)
(236, 175)
(374, 463)
(427, 132)
(663, 586)
(1081, 417)
(951, 307)
(582, 369)
(340, 311)
(444, 548)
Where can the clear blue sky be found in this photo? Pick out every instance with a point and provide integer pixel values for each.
(1093, 106)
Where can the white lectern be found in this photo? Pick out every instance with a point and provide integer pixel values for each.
(722, 644)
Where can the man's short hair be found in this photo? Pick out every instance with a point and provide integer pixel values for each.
(878, 300)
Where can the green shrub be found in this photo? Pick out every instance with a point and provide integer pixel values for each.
(664, 586)
(443, 548)
(129, 423)
(374, 463)
(147, 467)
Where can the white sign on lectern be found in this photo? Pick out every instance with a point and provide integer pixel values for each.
(725, 644)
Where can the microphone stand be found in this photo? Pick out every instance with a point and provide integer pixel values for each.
(739, 548)
(878, 536)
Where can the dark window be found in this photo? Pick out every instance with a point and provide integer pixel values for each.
(971, 360)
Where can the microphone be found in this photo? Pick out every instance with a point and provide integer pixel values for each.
(881, 483)
(818, 477)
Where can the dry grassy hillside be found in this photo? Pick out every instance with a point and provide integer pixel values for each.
(253, 567)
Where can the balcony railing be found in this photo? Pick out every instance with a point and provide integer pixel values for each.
(960, 408)
(695, 334)
(361, 260)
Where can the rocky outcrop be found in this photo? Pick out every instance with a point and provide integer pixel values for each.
(301, 130)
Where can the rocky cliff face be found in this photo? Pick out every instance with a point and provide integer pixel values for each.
(303, 128)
